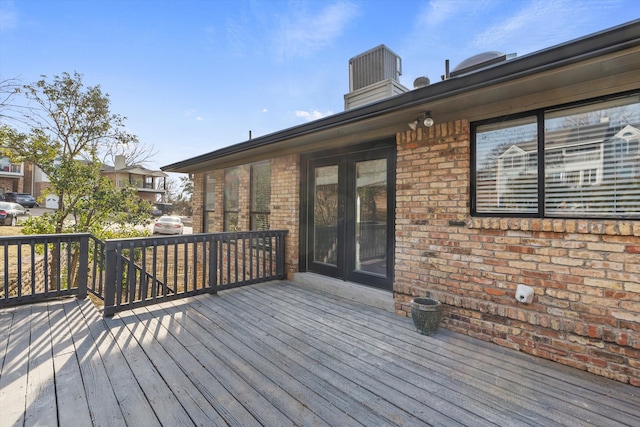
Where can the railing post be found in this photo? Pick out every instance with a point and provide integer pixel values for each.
(110, 279)
(83, 267)
(280, 266)
(213, 265)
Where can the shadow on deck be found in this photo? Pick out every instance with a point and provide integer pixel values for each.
(279, 354)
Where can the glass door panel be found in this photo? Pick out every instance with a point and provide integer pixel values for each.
(325, 226)
(371, 217)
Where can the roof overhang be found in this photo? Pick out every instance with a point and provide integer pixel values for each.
(596, 65)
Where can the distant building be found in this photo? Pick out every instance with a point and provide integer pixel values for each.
(28, 178)
(150, 184)
(11, 176)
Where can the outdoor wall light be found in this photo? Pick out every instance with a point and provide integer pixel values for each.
(424, 118)
(428, 120)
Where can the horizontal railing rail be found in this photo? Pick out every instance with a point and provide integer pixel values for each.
(144, 271)
(128, 273)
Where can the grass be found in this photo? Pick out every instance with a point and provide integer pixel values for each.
(10, 231)
(12, 254)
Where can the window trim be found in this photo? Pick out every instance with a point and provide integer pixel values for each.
(540, 117)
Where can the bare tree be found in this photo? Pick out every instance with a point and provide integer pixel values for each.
(9, 109)
(135, 153)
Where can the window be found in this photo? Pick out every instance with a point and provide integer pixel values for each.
(231, 198)
(590, 166)
(260, 195)
(136, 181)
(506, 166)
(209, 202)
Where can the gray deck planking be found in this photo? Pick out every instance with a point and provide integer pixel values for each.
(413, 374)
(279, 354)
(559, 390)
(102, 403)
(41, 395)
(14, 378)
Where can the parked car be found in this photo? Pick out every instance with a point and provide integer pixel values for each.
(25, 199)
(168, 225)
(9, 213)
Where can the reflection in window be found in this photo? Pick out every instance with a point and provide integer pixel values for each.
(506, 166)
(591, 162)
(260, 195)
(600, 175)
(371, 216)
(209, 202)
(231, 198)
(326, 214)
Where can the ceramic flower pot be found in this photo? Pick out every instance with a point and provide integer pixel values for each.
(426, 314)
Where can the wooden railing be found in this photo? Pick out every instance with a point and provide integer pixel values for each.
(128, 273)
(42, 267)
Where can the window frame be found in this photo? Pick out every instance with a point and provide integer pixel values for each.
(540, 118)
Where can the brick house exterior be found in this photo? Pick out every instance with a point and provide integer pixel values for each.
(584, 270)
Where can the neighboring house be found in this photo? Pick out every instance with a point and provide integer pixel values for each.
(28, 178)
(11, 176)
(528, 175)
(150, 184)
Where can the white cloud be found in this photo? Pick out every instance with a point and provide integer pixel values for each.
(561, 17)
(264, 110)
(193, 112)
(306, 31)
(437, 12)
(8, 17)
(312, 115)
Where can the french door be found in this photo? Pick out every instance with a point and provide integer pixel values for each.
(349, 212)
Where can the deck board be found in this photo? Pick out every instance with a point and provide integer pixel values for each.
(279, 354)
(14, 375)
(565, 390)
(416, 378)
(101, 401)
(501, 383)
(41, 396)
(193, 364)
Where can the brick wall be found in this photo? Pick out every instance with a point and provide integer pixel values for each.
(285, 206)
(197, 202)
(11, 184)
(586, 274)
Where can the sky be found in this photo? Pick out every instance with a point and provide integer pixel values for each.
(193, 76)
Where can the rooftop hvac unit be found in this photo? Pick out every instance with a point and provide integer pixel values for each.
(373, 66)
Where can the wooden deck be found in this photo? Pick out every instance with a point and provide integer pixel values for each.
(278, 354)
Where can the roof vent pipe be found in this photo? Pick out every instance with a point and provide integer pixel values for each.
(446, 70)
